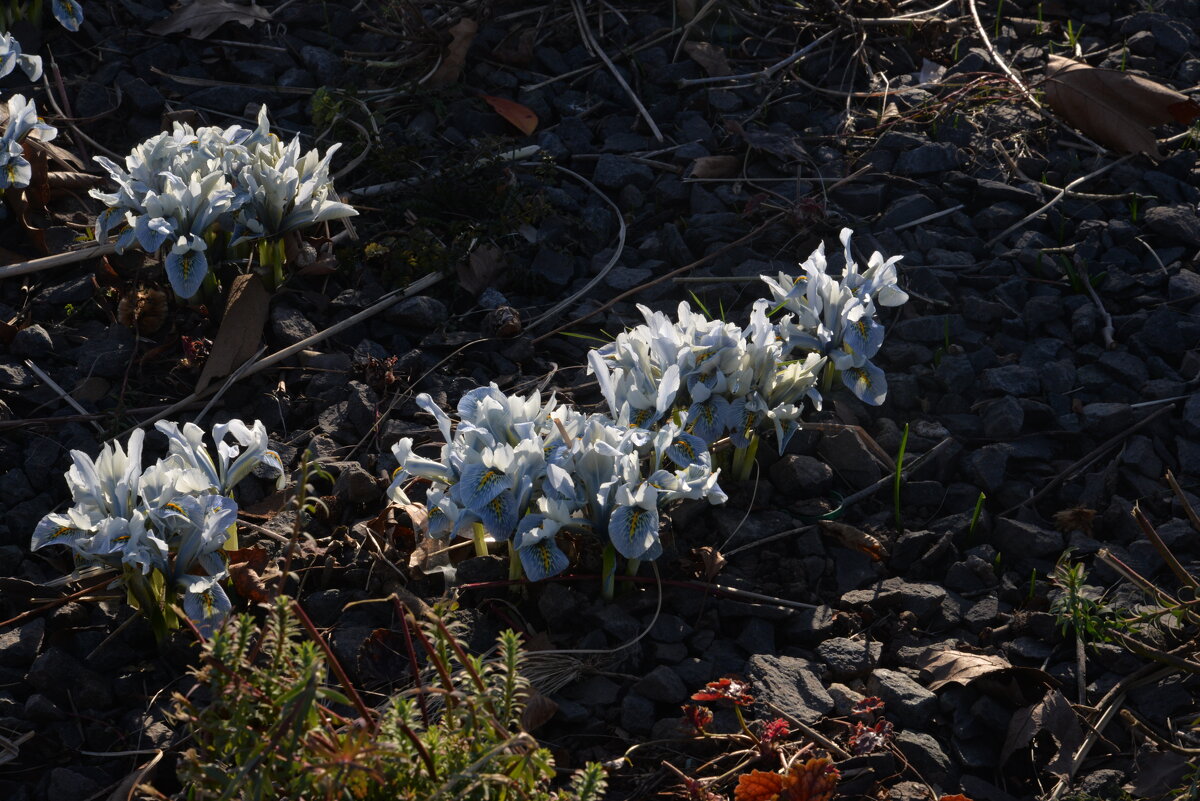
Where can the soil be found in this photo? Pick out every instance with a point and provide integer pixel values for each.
(1047, 364)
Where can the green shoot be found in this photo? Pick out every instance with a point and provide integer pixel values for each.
(999, 8)
(896, 478)
(700, 303)
(975, 515)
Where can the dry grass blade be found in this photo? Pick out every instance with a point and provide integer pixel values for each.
(1113, 107)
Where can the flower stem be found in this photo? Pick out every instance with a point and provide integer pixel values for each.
(827, 376)
(479, 536)
(742, 722)
(631, 566)
(515, 571)
(743, 459)
(608, 572)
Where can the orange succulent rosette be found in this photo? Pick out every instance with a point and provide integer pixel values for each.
(814, 780)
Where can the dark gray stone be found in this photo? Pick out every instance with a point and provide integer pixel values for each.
(616, 621)
(622, 278)
(596, 691)
(614, 172)
(637, 713)
(289, 325)
(662, 684)
(1104, 420)
(849, 658)
(986, 467)
(848, 457)
(799, 476)
(930, 158)
(56, 672)
(757, 636)
(932, 329)
(790, 683)
(71, 783)
(554, 267)
(908, 701)
(19, 646)
(926, 756)
(670, 629)
(906, 209)
(323, 64)
(142, 97)
(1026, 539)
(1011, 379)
(419, 312)
(559, 604)
(1004, 419)
(31, 342)
(1179, 222)
(1184, 284)
(357, 485)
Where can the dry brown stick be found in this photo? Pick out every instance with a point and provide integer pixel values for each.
(1054, 200)
(1090, 457)
(57, 260)
(812, 734)
(590, 40)
(421, 283)
(1000, 61)
(1138, 725)
(1148, 529)
(1183, 499)
(666, 276)
(1107, 331)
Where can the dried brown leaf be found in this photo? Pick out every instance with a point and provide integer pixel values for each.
(538, 711)
(254, 577)
(201, 18)
(710, 57)
(707, 562)
(481, 269)
(853, 538)
(962, 667)
(1113, 107)
(455, 59)
(522, 117)
(1053, 715)
(715, 167)
(241, 329)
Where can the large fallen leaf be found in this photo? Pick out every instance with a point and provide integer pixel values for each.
(961, 667)
(853, 538)
(710, 57)
(1114, 108)
(715, 167)
(520, 116)
(455, 59)
(241, 329)
(482, 269)
(1053, 715)
(200, 18)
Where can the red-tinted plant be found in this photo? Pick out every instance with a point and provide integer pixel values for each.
(866, 739)
(867, 708)
(698, 717)
(726, 689)
(813, 780)
(772, 733)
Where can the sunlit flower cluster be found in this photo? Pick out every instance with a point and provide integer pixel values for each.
(523, 472)
(178, 189)
(162, 527)
(836, 318)
(23, 123)
(716, 378)
(11, 57)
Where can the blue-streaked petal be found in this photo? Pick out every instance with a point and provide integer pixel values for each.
(207, 607)
(16, 174)
(543, 559)
(68, 13)
(56, 529)
(633, 530)
(499, 515)
(186, 271)
(868, 383)
(479, 485)
(686, 449)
